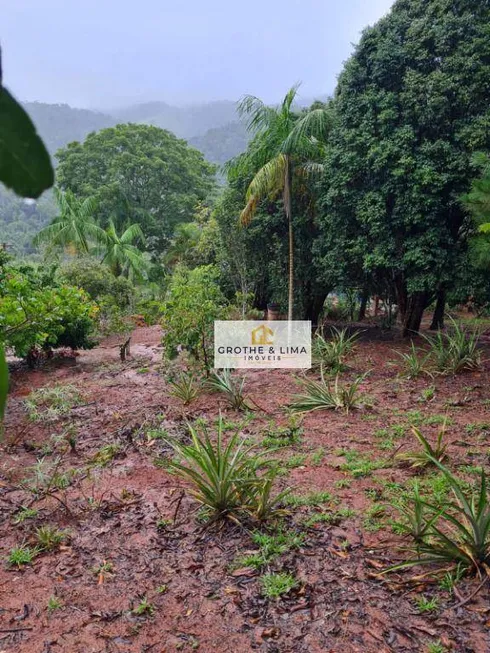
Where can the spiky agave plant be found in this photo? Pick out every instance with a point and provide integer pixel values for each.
(456, 350)
(184, 388)
(320, 395)
(261, 503)
(428, 452)
(225, 478)
(332, 353)
(232, 387)
(459, 531)
(415, 364)
(417, 518)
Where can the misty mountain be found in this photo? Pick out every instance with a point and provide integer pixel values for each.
(221, 144)
(212, 128)
(60, 124)
(184, 122)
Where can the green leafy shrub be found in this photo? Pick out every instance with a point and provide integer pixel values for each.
(97, 280)
(33, 315)
(150, 309)
(340, 308)
(194, 301)
(112, 318)
(114, 295)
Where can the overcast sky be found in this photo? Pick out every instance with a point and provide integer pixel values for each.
(104, 53)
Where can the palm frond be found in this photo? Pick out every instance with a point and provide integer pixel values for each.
(50, 233)
(87, 209)
(269, 180)
(133, 233)
(310, 170)
(311, 131)
(289, 98)
(258, 115)
(246, 216)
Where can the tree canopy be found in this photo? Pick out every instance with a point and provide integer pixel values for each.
(137, 174)
(411, 107)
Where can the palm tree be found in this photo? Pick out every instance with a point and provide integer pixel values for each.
(286, 146)
(75, 226)
(121, 254)
(186, 238)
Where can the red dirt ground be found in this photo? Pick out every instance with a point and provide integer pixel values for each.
(133, 516)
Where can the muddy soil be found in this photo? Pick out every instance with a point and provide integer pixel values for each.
(140, 571)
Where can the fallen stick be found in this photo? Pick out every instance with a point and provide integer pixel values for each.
(471, 596)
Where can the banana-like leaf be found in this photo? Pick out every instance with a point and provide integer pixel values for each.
(25, 165)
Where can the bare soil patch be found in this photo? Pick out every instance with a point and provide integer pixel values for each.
(134, 538)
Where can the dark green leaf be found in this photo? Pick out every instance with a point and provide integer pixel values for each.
(25, 165)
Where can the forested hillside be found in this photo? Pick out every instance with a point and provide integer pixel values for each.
(60, 124)
(222, 143)
(184, 122)
(211, 128)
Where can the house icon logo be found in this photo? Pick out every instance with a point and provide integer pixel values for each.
(262, 335)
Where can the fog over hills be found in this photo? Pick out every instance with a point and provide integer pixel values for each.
(60, 124)
(184, 122)
(214, 128)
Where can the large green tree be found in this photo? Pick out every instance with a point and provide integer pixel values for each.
(138, 174)
(477, 202)
(412, 104)
(286, 149)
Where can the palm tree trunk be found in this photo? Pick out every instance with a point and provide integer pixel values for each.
(288, 210)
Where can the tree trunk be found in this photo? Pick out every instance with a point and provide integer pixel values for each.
(362, 308)
(314, 306)
(416, 304)
(438, 317)
(401, 296)
(288, 210)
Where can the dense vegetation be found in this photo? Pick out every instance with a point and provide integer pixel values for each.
(381, 193)
(212, 129)
(411, 107)
(138, 173)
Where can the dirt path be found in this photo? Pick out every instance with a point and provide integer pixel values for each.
(138, 571)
